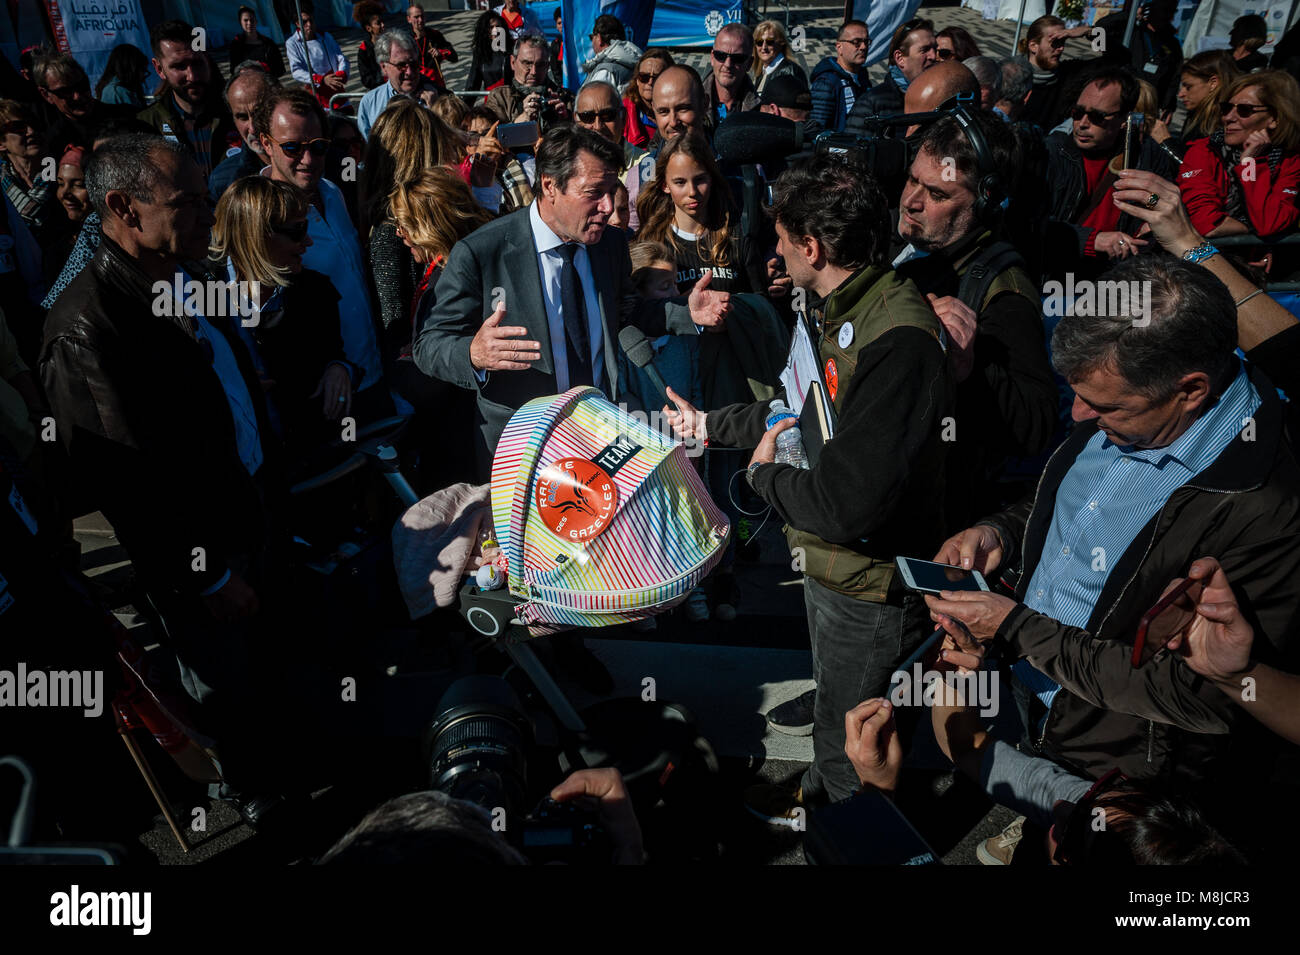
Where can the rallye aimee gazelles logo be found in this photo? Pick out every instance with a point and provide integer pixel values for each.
(576, 498)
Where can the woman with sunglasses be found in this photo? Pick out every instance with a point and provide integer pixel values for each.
(22, 148)
(956, 44)
(639, 128)
(772, 55)
(1245, 177)
(259, 237)
(1043, 44)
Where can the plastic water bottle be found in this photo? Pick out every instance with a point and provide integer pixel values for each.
(789, 443)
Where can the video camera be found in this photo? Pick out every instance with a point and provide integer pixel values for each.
(478, 748)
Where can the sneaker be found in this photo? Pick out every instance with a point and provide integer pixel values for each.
(779, 804)
(697, 606)
(794, 717)
(999, 849)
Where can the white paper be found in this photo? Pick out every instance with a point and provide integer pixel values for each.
(800, 368)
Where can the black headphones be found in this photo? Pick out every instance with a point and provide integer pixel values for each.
(990, 195)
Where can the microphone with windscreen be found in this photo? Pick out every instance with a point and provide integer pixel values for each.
(642, 353)
(757, 138)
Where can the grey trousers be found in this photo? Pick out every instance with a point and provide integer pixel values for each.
(855, 647)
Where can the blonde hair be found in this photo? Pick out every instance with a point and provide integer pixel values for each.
(1217, 65)
(644, 255)
(1148, 102)
(405, 140)
(452, 110)
(1279, 91)
(436, 210)
(249, 208)
(783, 44)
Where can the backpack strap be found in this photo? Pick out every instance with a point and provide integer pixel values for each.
(984, 270)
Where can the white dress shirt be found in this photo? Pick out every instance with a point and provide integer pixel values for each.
(549, 263)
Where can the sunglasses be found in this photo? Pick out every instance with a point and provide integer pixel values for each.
(765, 43)
(16, 128)
(945, 53)
(736, 59)
(1244, 110)
(1095, 116)
(66, 92)
(647, 77)
(293, 148)
(590, 116)
(1070, 839)
(294, 233)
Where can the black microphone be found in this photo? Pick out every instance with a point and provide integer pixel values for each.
(638, 348)
(757, 137)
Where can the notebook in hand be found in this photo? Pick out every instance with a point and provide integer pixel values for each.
(816, 422)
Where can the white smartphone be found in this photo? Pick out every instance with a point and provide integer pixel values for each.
(930, 578)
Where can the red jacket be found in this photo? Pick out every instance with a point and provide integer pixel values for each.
(634, 131)
(1270, 199)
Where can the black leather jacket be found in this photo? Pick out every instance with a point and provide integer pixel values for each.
(148, 428)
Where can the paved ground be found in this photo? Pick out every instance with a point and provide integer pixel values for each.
(726, 674)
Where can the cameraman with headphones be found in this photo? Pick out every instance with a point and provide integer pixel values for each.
(950, 212)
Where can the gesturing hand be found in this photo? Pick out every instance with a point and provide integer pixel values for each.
(687, 420)
(708, 307)
(959, 321)
(1167, 219)
(496, 347)
(1117, 245)
(1217, 641)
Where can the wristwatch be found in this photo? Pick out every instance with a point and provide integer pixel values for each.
(1200, 253)
(749, 472)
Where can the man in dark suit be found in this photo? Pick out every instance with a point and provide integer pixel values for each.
(557, 268)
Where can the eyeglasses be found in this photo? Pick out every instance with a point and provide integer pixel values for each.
(294, 148)
(855, 41)
(736, 59)
(1095, 116)
(590, 116)
(1244, 110)
(408, 65)
(67, 92)
(294, 233)
(1069, 841)
(647, 77)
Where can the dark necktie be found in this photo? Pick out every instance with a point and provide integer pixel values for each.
(573, 310)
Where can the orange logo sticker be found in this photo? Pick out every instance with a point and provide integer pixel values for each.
(576, 498)
(832, 378)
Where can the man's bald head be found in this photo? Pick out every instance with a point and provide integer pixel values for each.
(939, 84)
(678, 101)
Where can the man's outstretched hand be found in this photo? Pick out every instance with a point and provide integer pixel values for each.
(496, 347)
(709, 307)
(686, 419)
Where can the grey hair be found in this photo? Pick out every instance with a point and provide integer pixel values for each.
(1017, 79)
(986, 72)
(393, 38)
(60, 64)
(250, 68)
(731, 28)
(129, 164)
(1191, 327)
(425, 828)
(529, 39)
(596, 84)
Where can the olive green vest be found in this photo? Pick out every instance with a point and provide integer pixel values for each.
(873, 301)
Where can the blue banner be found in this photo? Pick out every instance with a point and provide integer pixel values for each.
(882, 17)
(579, 17)
(90, 29)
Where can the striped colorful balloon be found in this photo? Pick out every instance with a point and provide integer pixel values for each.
(664, 536)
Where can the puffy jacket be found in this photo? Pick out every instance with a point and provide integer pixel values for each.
(834, 91)
(883, 99)
(1270, 193)
(614, 64)
(1164, 720)
(148, 428)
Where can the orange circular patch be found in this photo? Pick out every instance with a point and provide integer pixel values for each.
(832, 378)
(576, 499)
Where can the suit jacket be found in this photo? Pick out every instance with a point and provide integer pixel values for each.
(502, 255)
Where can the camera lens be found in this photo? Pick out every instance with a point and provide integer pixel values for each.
(478, 744)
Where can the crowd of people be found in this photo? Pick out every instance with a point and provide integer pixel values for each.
(409, 254)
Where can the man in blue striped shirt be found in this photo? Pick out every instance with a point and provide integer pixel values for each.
(1179, 453)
